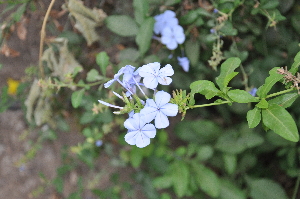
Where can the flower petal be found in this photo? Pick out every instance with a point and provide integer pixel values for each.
(149, 130)
(162, 98)
(148, 113)
(161, 120)
(169, 109)
(142, 140)
(110, 82)
(131, 136)
(131, 124)
(164, 80)
(150, 82)
(172, 45)
(166, 71)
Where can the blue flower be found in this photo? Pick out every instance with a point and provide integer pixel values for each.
(116, 78)
(184, 62)
(159, 109)
(153, 74)
(99, 143)
(130, 79)
(253, 91)
(139, 132)
(172, 36)
(163, 20)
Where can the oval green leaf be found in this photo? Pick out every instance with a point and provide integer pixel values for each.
(227, 72)
(253, 117)
(102, 59)
(144, 35)
(281, 122)
(122, 25)
(285, 100)
(76, 98)
(207, 180)
(241, 96)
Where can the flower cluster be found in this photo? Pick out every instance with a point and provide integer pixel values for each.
(140, 128)
(172, 34)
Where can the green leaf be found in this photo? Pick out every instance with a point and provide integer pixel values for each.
(227, 72)
(204, 87)
(241, 96)
(76, 98)
(130, 54)
(141, 8)
(254, 117)
(262, 104)
(189, 18)
(144, 35)
(102, 59)
(93, 75)
(231, 191)
(285, 100)
(122, 25)
(136, 157)
(192, 49)
(269, 83)
(296, 64)
(230, 162)
(228, 29)
(163, 182)
(59, 184)
(266, 189)
(200, 131)
(180, 177)
(281, 122)
(207, 180)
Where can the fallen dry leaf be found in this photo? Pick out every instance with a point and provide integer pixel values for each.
(8, 52)
(21, 29)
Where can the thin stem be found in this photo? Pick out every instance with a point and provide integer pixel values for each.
(140, 88)
(43, 34)
(296, 186)
(279, 93)
(211, 104)
(125, 87)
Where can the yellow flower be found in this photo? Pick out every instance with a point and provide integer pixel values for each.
(12, 86)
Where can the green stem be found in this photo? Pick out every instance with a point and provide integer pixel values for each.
(279, 93)
(211, 104)
(296, 187)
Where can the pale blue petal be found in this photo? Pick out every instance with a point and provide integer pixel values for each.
(108, 104)
(150, 82)
(161, 120)
(166, 71)
(148, 113)
(172, 45)
(139, 120)
(146, 71)
(131, 136)
(168, 14)
(166, 33)
(131, 124)
(180, 38)
(164, 80)
(184, 62)
(169, 109)
(151, 103)
(142, 140)
(162, 98)
(155, 66)
(110, 82)
(149, 130)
